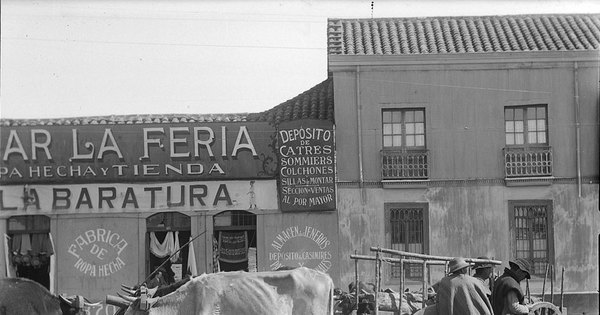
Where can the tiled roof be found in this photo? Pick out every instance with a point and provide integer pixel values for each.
(316, 103)
(471, 34)
(126, 119)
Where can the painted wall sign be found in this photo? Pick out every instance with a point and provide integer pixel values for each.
(98, 252)
(307, 165)
(208, 195)
(301, 245)
(144, 152)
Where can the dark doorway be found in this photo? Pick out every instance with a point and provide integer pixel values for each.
(166, 234)
(30, 247)
(235, 225)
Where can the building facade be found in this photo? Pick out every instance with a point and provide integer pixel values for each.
(469, 136)
(88, 204)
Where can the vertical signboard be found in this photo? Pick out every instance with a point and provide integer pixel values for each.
(307, 165)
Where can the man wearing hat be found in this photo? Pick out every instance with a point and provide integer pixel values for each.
(484, 273)
(507, 296)
(461, 294)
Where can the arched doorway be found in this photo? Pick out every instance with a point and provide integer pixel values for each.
(30, 247)
(167, 232)
(235, 240)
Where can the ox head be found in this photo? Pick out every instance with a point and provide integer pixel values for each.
(75, 305)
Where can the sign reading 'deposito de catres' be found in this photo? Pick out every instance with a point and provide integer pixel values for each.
(307, 165)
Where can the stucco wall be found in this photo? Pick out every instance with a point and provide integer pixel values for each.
(473, 220)
(464, 111)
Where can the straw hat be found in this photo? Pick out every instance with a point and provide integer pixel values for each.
(457, 264)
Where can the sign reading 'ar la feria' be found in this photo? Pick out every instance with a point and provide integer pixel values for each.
(307, 165)
(144, 152)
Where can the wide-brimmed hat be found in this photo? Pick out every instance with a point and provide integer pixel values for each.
(457, 264)
(523, 264)
(482, 265)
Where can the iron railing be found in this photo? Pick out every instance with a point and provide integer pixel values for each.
(404, 164)
(527, 162)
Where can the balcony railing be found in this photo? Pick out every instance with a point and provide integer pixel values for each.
(404, 164)
(528, 162)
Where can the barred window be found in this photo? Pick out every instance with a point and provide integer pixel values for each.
(403, 128)
(532, 229)
(526, 125)
(408, 231)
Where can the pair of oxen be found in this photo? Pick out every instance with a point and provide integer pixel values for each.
(299, 291)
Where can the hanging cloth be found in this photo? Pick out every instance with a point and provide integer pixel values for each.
(25, 244)
(191, 263)
(47, 245)
(163, 249)
(10, 269)
(52, 262)
(175, 250)
(233, 246)
(37, 240)
(216, 264)
(15, 247)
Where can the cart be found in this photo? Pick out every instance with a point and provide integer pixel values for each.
(382, 303)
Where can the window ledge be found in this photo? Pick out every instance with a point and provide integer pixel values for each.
(529, 181)
(405, 183)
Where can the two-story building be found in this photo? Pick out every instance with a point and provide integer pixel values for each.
(469, 136)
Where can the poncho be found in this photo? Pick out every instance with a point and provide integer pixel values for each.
(462, 295)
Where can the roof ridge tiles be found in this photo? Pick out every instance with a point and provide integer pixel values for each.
(465, 34)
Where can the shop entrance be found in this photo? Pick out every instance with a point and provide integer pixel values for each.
(166, 232)
(30, 247)
(234, 242)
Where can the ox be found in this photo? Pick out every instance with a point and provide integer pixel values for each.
(20, 296)
(301, 291)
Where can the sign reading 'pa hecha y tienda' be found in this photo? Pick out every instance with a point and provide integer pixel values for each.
(145, 152)
(307, 165)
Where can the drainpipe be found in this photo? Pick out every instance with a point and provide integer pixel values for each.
(359, 126)
(577, 128)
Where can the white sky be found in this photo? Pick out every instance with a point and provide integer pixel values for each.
(87, 58)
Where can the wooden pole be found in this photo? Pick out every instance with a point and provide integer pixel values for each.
(424, 282)
(401, 281)
(562, 283)
(431, 257)
(377, 282)
(544, 285)
(528, 293)
(552, 284)
(356, 280)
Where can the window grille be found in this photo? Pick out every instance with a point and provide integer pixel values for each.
(407, 233)
(532, 241)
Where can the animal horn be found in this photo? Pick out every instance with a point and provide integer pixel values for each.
(127, 287)
(128, 291)
(129, 299)
(62, 298)
(117, 301)
(87, 303)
